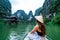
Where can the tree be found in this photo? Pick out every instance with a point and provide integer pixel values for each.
(5, 8)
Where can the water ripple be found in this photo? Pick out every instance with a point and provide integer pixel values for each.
(14, 36)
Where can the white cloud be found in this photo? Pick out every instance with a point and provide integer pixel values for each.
(26, 5)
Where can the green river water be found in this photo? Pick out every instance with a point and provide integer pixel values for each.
(18, 32)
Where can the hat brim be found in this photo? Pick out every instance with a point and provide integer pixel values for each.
(39, 18)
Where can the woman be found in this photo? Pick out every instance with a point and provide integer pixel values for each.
(39, 31)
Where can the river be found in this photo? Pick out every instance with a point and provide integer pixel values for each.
(19, 31)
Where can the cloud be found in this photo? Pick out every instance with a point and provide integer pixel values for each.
(26, 5)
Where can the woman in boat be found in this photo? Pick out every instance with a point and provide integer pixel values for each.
(39, 31)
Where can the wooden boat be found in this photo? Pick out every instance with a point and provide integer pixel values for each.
(30, 37)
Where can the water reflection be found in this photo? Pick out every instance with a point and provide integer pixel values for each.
(14, 36)
(20, 32)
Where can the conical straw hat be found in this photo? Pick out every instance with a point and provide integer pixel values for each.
(39, 18)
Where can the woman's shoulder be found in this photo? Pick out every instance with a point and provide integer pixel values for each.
(37, 25)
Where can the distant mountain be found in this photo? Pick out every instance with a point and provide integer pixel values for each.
(21, 15)
(30, 16)
(37, 12)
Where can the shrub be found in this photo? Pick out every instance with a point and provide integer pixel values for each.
(45, 20)
(56, 18)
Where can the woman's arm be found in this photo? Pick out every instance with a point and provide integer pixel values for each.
(34, 29)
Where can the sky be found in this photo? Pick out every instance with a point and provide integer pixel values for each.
(26, 5)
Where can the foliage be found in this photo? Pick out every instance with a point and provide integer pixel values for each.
(54, 6)
(45, 20)
(5, 8)
(56, 18)
(37, 12)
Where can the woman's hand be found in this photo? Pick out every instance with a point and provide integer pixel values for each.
(31, 32)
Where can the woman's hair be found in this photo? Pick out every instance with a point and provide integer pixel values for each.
(42, 27)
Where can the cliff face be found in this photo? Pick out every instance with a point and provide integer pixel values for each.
(38, 11)
(30, 16)
(21, 15)
(50, 9)
(5, 8)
